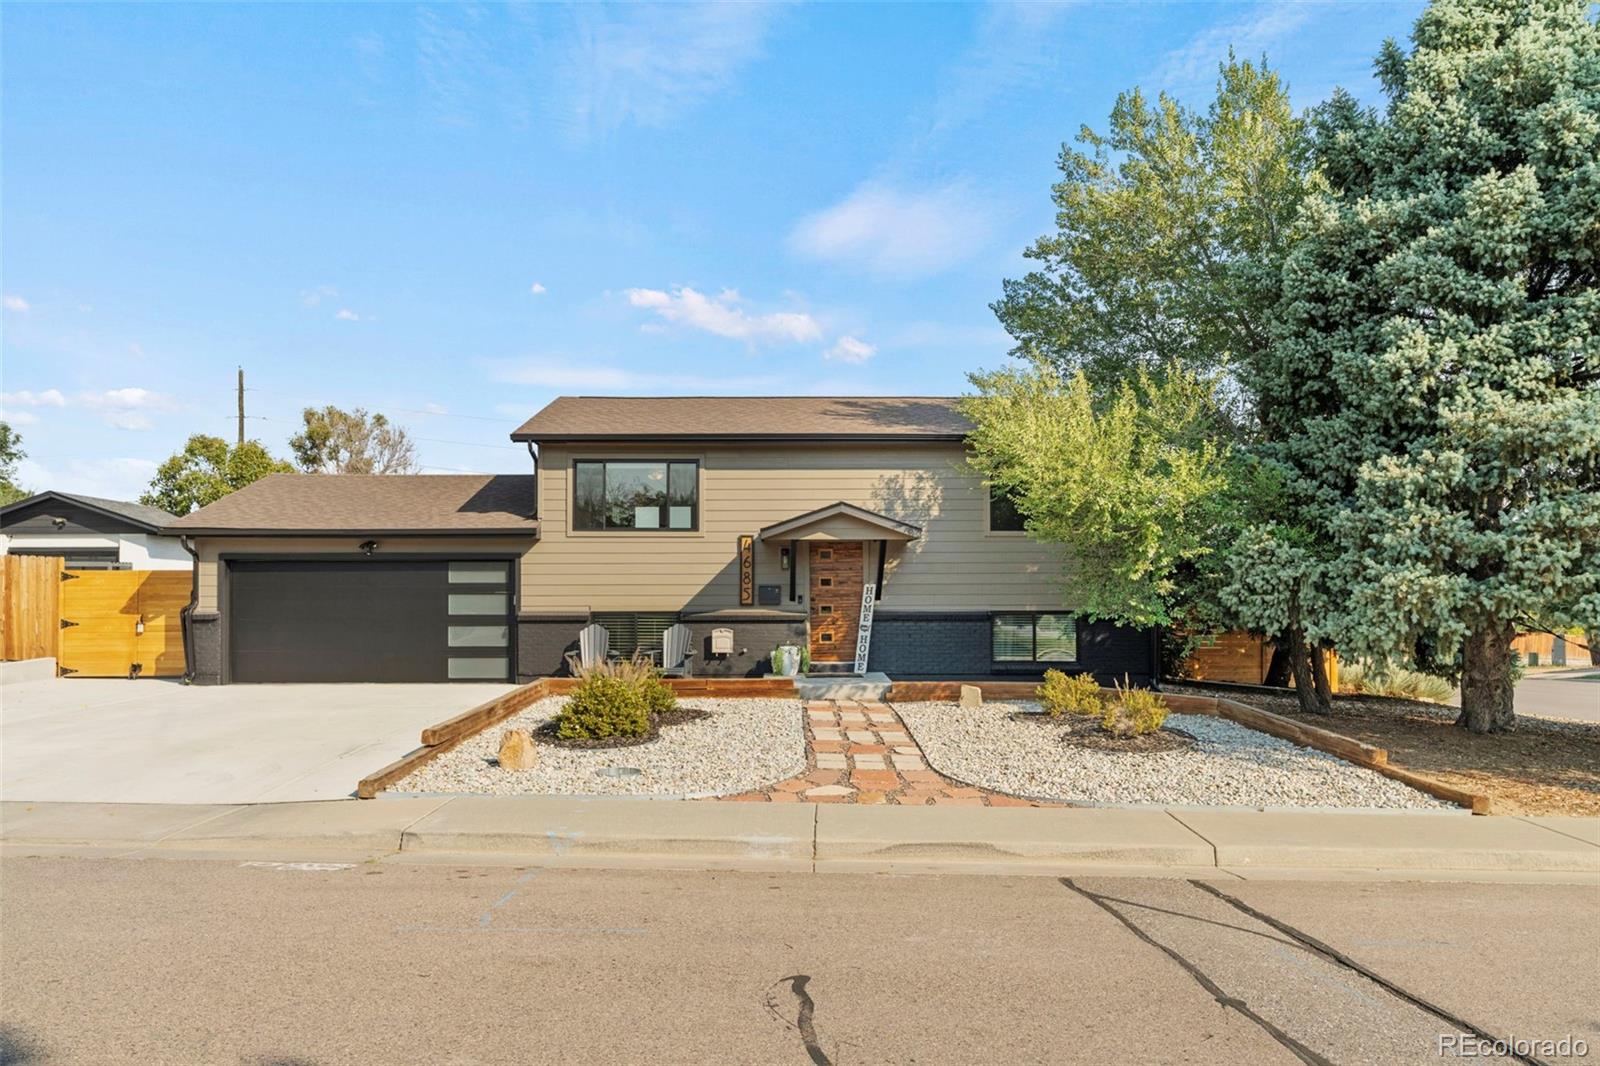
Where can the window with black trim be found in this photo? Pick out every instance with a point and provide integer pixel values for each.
(1004, 514)
(1034, 638)
(614, 494)
(636, 633)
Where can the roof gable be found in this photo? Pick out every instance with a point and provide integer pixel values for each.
(841, 521)
(96, 512)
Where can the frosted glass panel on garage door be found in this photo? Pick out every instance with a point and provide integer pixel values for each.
(479, 636)
(479, 603)
(471, 573)
(484, 669)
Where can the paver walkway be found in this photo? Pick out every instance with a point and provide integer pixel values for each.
(863, 753)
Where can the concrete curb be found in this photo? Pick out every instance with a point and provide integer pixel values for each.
(569, 830)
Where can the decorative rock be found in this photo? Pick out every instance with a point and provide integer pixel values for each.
(517, 751)
(971, 696)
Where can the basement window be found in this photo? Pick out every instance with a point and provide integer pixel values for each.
(1034, 638)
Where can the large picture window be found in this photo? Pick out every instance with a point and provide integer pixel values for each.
(1004, 514)
(635, 494)
(1035, 638)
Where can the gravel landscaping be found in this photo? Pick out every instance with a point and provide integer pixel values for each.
(1230, 766)
(743, 745)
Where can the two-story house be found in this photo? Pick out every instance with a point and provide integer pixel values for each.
(775, 520)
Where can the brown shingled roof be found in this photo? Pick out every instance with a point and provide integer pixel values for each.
(746, 418)
(372, 503)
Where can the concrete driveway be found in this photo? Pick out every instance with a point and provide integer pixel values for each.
(153, 741)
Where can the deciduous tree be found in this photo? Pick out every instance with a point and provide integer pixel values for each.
(11, 454)
(206, 470)
(351, 442)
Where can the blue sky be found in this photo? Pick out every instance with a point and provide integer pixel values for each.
(453, 213)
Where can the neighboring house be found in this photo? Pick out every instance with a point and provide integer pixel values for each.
(762, 517)
(91, 533)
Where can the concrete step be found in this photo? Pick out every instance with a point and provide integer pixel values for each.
(864, 687)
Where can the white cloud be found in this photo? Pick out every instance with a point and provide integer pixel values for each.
(592, 68)
(136, 350)
(28, 398)
(110, 477)
(18, 418)
(346, 315)
(537, 288)
(127, 408)
(723, 316)
(15, 303)
(850, 350)
(647, 64)
(1016, 46)
(313, 297)
(896, 232)
(579, 375)
(1195, 64)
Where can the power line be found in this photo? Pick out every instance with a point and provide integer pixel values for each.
(400, 410)
(430, 440)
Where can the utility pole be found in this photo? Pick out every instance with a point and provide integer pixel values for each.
(241, 405)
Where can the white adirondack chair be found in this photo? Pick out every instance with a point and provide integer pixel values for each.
(594, 645)
(676, 650)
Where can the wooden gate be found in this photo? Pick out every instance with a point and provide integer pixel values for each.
(116, 623)
(30, 615)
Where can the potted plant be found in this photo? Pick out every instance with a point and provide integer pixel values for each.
(786, 660)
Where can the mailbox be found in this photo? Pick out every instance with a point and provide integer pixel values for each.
(722, 642)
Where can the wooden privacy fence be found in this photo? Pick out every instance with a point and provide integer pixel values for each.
(94, 623)
(30, 616)
(122, 623)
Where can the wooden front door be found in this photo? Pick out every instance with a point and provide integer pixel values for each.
(836, 577)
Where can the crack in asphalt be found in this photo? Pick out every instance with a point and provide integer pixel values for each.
(1339, 958)
(805, 1018)
(1295, 1047)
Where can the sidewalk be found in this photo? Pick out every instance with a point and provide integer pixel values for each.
(549, 830)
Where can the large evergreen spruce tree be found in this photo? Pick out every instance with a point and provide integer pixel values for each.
(1435, 382)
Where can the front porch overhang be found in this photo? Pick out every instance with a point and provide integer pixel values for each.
(841, 521)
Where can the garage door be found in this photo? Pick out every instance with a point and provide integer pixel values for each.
(369, 620)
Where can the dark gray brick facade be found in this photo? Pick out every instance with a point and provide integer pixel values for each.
(205, 650)
(955, 646)
(542, 644)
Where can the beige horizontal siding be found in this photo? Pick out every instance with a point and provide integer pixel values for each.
(209, 548)
(956, 565)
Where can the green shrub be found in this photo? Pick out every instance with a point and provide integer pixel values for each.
(604, 705)
(1399, 682)
(1077, 694)
(1133, 712)
(658, 695)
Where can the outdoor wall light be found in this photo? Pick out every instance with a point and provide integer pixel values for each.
(368, 547)
(783, 558)
(138, 627)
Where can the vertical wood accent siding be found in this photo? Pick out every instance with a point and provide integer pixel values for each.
(956, 565)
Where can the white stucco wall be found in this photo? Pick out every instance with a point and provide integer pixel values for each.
(141, 551)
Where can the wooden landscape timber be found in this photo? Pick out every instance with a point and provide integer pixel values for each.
(1306, 736)
(443, 736)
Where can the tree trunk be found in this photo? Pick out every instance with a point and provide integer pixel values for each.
(1305, 684)
(1319, 678)
(1486, 689)
(1592, 636)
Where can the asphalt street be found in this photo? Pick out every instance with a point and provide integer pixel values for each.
(192, 961)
